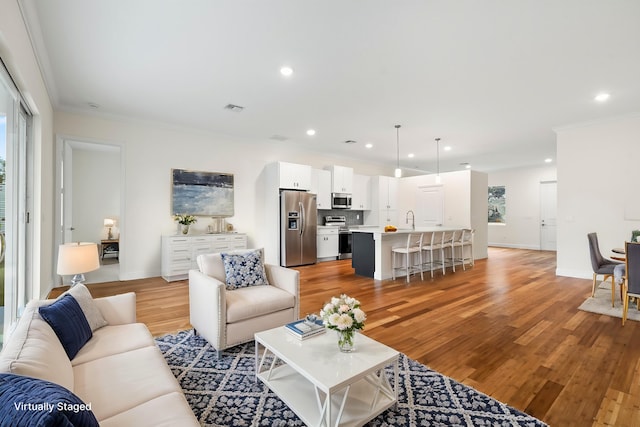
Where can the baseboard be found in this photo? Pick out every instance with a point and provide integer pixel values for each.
(577, 274)
(514, 246)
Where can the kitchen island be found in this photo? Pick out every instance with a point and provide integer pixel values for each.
(371, 249)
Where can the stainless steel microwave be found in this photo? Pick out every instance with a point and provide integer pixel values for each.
(340, 201)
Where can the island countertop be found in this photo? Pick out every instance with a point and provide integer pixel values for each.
(371, 248)
(380, 230)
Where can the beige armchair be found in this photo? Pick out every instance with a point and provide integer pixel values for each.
(229, 317)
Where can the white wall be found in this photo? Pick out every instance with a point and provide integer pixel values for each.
(151, 150)
(522, 193)
(17, 55)
(598, 176)
(96, 192)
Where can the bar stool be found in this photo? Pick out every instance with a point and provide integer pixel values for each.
(435, 244)
(409, 251)
(463, 241)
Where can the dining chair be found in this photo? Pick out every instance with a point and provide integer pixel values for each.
(601, 266)
(631, 282)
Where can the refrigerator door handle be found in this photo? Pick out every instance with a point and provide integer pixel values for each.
(301, 217)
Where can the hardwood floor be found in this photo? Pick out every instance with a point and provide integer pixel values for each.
(507, 327)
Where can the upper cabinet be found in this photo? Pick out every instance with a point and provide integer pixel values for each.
(361, 196)
(384, 191)
(292, 176)
(341, 179)
(321, 185)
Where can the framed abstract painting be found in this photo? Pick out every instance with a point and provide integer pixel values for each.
(201, 193)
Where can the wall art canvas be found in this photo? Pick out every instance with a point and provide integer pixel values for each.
(202, 193)
(497, 205)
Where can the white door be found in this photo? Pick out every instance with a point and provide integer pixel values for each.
(548, 215)
(429, 206)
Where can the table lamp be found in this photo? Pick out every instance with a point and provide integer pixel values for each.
(77, 258)
(108, 222)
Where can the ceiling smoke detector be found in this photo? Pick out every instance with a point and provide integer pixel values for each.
(350, 141)
(234, 108)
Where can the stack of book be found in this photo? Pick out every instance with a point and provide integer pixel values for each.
(303, 329)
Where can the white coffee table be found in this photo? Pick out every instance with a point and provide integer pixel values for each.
(323, 386)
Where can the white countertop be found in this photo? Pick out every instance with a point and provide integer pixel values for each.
(380, 230)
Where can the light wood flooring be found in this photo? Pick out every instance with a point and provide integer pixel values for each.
(508, 327)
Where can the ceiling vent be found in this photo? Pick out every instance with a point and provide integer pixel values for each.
(234, 108)
(280, 138)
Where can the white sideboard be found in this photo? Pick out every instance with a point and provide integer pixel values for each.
(179, 253)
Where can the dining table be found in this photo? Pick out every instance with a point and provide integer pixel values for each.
(617, 252)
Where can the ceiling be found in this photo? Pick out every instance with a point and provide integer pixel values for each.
(491, 78)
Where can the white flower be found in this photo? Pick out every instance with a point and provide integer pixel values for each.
(343, 314)
(333, 319)
(359, 315)
(344, 321)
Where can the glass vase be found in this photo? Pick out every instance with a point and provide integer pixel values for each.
(346, 341)
(185, 228)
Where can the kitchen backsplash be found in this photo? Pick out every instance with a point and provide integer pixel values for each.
(353, 217)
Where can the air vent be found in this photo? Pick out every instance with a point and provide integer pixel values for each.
(280, 138)
(350, 141)
(234, 108)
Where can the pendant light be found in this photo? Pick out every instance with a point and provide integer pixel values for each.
(438, 180)
(398, 171)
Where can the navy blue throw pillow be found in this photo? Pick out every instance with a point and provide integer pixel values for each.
(26, 401)
(69, 323)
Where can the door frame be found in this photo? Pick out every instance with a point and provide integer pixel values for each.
(64, 156)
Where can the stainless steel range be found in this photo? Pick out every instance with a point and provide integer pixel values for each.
(345, 237)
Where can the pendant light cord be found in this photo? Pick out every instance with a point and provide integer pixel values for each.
(397, 146)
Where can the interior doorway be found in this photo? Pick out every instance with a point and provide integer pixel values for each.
(90, 189)
(548, 215)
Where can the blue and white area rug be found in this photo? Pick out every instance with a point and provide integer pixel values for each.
(223, 392)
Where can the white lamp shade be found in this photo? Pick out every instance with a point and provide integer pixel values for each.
(108, 222)
(77, 258)
(398, 173)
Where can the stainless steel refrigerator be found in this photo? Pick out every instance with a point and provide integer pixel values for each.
(298, 228)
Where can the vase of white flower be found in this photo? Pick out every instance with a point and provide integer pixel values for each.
(344, 315)
(346, 340)
(184, 222)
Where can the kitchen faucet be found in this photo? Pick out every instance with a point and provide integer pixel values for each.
(413, 219)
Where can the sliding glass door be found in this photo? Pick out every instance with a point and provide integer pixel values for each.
(14, 216)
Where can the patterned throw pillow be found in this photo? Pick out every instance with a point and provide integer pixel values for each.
(244, 269)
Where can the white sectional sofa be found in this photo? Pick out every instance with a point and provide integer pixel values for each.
(120, 371)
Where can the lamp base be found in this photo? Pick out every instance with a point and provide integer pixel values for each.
(77, 278)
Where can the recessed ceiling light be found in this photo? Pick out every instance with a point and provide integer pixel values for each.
(601, 97)
(311, 132)
(468, 166)
(286, 71)
(548, 160)
(411, 155)
(369, 145)
(447, 148)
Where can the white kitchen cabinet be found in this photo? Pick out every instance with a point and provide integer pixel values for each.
(384, 203)
(292, 176)
(179, 253)
(321, 186)
(361, 196)
(327, 243)
(341, 179)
